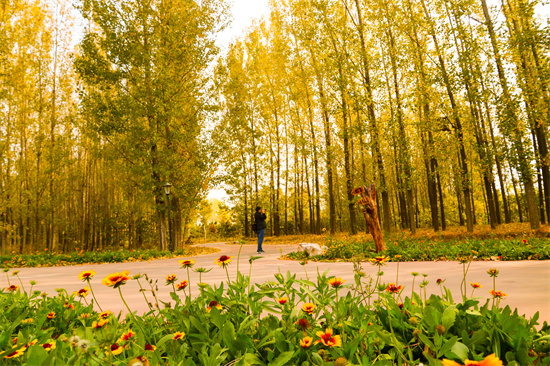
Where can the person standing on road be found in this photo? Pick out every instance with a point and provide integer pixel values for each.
(259, 219)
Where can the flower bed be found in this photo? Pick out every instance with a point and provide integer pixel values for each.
(406, 249)
(105, 256)
(280, 322)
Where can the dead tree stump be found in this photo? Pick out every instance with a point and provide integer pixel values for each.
(370, 210)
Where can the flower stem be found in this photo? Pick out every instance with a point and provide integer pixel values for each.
(227, 272)
(397, 275)
(92, 291)
(189, 282)
(21, 282)
(145, 297)
(239, 257)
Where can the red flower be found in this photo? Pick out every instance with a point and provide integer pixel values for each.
(223, 260)
(328, 339)
(126, 336)
(393, 289)
(182, 285)
(336, 282)
(498, 294)
(308, 308)
(282, 300)
(302, 323)
(149, 347)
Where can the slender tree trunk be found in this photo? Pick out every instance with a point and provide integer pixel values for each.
(512, 128)
(518, 199)
(328, 143)
(463, 161)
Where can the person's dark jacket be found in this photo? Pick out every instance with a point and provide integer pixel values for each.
(259, 219)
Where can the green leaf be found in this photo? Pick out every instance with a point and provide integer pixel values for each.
(316, 359)
(164, 339)
(431, 317)
(459, 350)
(228, 334)
(280, 341)
(197, 324)
(282, 359)
(249, 359)
(37, 355)
(447, 346)
(427, 341)
(449, 316)
(247, 323)
(217, 318)
(473, 312)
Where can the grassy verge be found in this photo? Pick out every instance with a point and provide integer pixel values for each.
(408, 249)
(105, 256)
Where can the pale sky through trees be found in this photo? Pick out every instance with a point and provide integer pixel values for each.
(244, 13)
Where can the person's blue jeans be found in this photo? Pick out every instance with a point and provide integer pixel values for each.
(261, 234)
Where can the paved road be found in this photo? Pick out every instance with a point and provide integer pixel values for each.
(527, 283)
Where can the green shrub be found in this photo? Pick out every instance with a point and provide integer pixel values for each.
(426, 250)
(104, 256)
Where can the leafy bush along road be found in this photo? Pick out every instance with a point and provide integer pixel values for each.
(309, 322)
(104, 256)
(406, 250)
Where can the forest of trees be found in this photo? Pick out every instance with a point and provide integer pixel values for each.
(443, 104)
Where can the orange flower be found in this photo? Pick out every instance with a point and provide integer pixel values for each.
(282, 300)
(100, 323)
(171, 279)
(126, 336)
(86, 275)
(498, 294)
(476, 285)
(393, 289)
(68, 306)
(379, 260)
(116, 349)
(328, 339)
(105, 314)
(223, 261)
(336, 282)
(182, 285)
(116, 279)
(308, 308)
(12, 288)
(306, 342)
(51, 315)
(490, 360)
(178, 336)
(186, 263)
(85, 315)
(83, 292)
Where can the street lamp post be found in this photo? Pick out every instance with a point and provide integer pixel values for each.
(167, 190)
